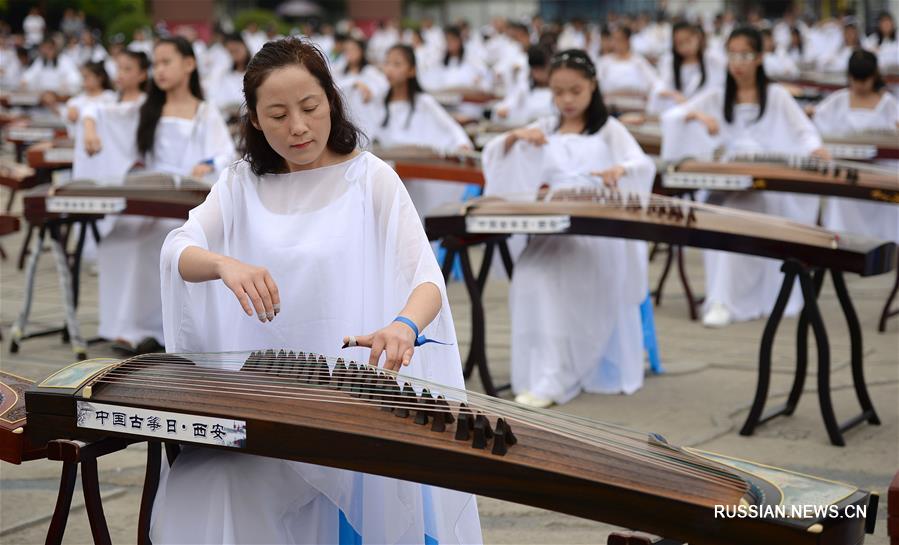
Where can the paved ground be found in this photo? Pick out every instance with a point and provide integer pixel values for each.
(701, 401)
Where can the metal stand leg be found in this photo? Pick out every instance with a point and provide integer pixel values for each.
(802, 351)
(669, 259)
(18, 328)
(855, 338)
(68, 293)
(887, 313)
(761, 393)
(692, 302)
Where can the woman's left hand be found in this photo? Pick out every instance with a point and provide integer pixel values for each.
(396, 340)
(822, 153)
(200, 170)
(610, 176)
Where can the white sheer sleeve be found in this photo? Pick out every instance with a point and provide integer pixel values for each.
(406, 261)
(806, 136)
(681, 138)
(453, 135)
(218, 145)
(638, 167)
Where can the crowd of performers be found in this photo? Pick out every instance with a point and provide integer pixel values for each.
(307, 240)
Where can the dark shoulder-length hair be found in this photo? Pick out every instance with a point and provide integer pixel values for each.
(457, 33)
(678, 59)
(238, 39)
(363, 58)
(863, 65)
(151, 110)
(413, 86)
(99, 70)
(754, 37)
(263, 159)
(880, 35)
(143, 63)
(596, 114)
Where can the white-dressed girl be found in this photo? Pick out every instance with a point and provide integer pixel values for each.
(50, 73)
(172, 131)
(226, 84)
(363, 85)
(746, 115)
(883, 41)
(96, 90)
(574, 301)
(865, 106)
(526, 103)
(305, 241)
(623, 72)
(414, 118)
(687, 70)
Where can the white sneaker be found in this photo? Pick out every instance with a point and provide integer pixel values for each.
(529, 399)
(717, 316)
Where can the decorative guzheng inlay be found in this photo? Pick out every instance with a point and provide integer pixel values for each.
(14, 446)
(778, 172)
(324, 410)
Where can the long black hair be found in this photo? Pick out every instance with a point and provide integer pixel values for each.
(237, 39)
(454, 31)
(151, 110)
(363, 59)
(754, 37)
(596, 114)
(413, 87)
(679, 59)
(97, 69)
(143, 62)
(263, 159)
(863, 65)
(794, 32)
(538, 57)
(881, 36)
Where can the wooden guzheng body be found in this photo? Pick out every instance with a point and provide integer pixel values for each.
(145, 194)
(55, 154)
(793, 175)
(325, 411)
(15, 445)
(412, 162)
(604, 212)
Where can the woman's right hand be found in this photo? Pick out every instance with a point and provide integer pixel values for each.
(711, 124)
(531, 135)
(253, 286)
(92, 144)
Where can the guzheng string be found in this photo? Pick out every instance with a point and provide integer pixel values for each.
(167, 372)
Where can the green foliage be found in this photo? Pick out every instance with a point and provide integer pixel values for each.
(261, 17)
(127, 24)
(109, 12)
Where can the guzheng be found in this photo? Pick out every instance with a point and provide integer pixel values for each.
(15, 446)
(144, 194)
(412, 162)
(326, 411)
(51, 154)
(785, 173)
(864, 146)
(607, 212)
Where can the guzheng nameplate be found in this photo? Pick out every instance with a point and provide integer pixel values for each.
(162, 425)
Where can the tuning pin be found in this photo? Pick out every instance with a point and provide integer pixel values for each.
(407, 399)
(482, 432)
(464, 423)
(503, 437)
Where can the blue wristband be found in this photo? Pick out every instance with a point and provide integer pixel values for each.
(419, 339)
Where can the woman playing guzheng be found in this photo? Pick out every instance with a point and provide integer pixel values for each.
(746, 115)
(574, 300)
(303, 242)
(866, 106)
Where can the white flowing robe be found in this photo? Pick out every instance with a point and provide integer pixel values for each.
(366, 115)
(62, 78)
(835, 117)
(130, 308)
(746, 285)
(691, 80)
(617, 75)
(346, 248)
(574, 301)
(429, 125)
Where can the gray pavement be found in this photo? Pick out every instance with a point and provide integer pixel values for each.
(700, 401)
